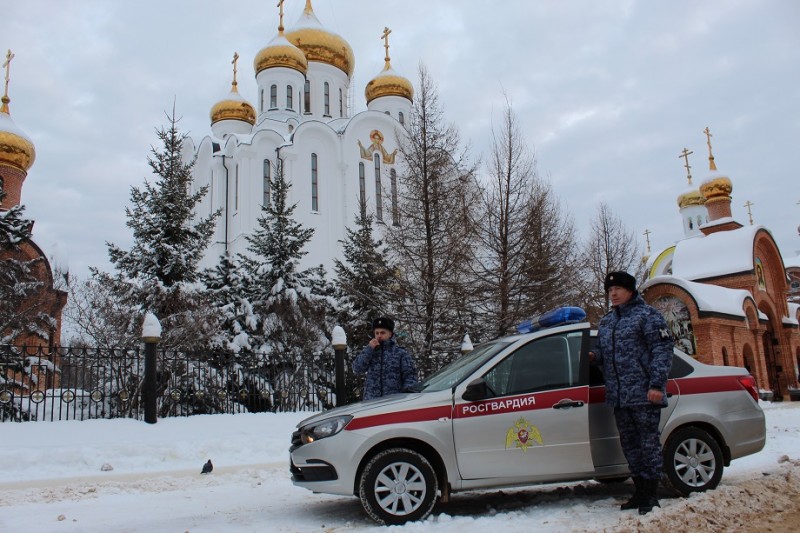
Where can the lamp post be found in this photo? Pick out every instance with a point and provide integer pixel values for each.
(466, 344)
(151, 335)
(339, 341)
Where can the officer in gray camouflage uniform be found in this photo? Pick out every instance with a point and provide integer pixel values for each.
(635, 348)
(389, 367)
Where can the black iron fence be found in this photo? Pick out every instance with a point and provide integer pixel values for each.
(85, 383)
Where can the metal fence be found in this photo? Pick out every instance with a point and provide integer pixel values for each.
(37, 384)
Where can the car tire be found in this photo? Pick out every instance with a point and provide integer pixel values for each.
(692, 461)
(398, 485)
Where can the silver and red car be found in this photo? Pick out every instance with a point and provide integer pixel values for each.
(519, 410)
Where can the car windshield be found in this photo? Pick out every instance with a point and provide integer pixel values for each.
(462, 367)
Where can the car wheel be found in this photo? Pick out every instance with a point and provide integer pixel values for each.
(692, 461)
(398, 485)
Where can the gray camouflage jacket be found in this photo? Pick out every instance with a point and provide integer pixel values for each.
(635, 347)
(389, 369)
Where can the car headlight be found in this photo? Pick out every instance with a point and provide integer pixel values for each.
(325, 428)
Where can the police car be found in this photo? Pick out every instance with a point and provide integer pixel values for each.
(520, 410)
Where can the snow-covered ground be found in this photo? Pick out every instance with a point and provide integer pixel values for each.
(125, 475)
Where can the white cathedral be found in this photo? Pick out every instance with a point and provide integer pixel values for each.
(302, 123)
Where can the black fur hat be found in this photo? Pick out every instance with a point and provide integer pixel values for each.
(383, 322)
(620, 279)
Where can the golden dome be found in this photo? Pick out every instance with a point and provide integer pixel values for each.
(319, 44)
(16, 149)
(389, 83)
(233, 108)
(281, 53)
(690, 198)
(716, 188)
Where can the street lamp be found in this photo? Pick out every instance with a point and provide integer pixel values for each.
(339, 341)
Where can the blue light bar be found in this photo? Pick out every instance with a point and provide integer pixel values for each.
(556, 317)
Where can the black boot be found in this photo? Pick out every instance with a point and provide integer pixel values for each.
(633, 503)
(649, 500)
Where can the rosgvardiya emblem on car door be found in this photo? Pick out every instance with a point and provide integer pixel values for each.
(521, 434)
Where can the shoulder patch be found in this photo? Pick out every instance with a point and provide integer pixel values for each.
(664, 333)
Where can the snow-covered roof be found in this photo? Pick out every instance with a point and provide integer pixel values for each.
(709, 298)
(718, 254)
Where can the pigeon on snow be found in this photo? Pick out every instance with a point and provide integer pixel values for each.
(208, 467)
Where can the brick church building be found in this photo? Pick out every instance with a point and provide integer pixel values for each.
(724, 290)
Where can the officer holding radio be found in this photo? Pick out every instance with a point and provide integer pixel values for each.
(389, 368)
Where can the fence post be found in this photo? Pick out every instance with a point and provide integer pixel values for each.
(151, 335)
(339, 341)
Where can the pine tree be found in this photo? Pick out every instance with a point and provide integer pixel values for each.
(21, 288)
(227, 286)
(157, 273)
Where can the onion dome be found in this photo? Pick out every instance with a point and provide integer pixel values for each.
(716, 188)
(389, 83)
(690, 198)
(281, 53)
(16, 149)
(234, 107)
(319, 44)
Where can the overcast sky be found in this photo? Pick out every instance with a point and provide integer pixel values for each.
(607, 93)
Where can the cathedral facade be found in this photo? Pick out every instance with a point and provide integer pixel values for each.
(301, 124)
(725, 291)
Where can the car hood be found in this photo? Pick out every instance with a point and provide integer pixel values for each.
(360, 407)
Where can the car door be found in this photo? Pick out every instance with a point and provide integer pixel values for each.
(534, 421)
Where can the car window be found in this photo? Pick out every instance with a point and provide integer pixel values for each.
(462, 367)
(545, 363)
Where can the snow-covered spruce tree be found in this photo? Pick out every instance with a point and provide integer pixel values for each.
(430, 247)
(364, 285)
(159, 272)
(288, 304)
(22, 292)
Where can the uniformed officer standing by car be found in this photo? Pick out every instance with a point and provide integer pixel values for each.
(389, 367)
(635, 348)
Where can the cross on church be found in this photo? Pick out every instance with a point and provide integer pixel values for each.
(280, 15)
(711, 164)
(685, 155)
(748, 205)
(7, 66)
(647, 238)
(235, 59)
(385, 37)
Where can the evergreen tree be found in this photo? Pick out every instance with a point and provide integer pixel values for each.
(157, 274)
(227, 286)
(22, 288)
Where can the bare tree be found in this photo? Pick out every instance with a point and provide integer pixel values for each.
(526, 247)
(430, 247)
(611, 246)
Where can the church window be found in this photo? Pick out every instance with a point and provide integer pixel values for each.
(362, 189)
(699, 220)
(289, 98)
(341, 104)
(327, 100)
(261, 101)
(307, 97)
(691, 224)
(378, 197)
(267, 181)
(395, 206)
(402, 118)
(314, 184)
(273, 97)
(236, 191)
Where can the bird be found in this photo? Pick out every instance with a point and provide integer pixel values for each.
(207, 468)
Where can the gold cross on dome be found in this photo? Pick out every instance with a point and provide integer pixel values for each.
(280, 15)
(7, 66)
(235, 59)
(385, 37)
(748, 205)
(646, 234)
(711, 164)
(685, 155)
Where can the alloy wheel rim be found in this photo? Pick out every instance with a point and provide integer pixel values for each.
(400, 488)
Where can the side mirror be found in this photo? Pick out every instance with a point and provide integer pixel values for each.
(476, 390)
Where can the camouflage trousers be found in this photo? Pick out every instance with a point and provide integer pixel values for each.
(639, 437)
